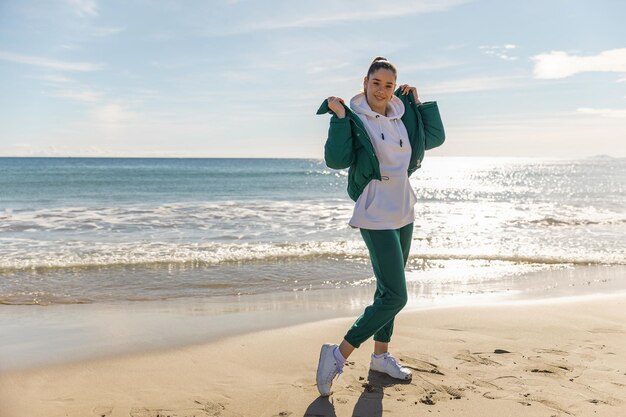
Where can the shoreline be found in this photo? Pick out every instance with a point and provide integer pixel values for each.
(564, 358)
(39, 336)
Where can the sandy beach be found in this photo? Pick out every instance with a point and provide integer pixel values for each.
(554, 357)
(196, 197)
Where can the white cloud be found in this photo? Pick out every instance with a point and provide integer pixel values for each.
(84, 7)
(113, 114)
(559, 64)
(48, 63)
(301, 14)
(56, 79)
(84, 95)
(501, 52)
(611, 113)
(65, 87)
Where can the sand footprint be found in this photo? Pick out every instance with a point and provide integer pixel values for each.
(548, 369)
(455, 393)
(152, 412)
(102, 411)
(475, 359)
(551, 351)
(508, 387)
(616, 329)
(548, 403)
(600, 397)
(201, 408)
(443, 392)
(419, 365)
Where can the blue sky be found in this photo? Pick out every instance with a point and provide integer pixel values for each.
(245, 78)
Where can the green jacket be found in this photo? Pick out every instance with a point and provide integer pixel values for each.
(349, 146)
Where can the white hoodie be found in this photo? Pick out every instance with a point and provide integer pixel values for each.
(389, 203)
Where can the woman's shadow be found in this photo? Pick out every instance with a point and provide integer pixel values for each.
(369, 404)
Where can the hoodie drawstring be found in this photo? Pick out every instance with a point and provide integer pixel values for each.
(398, 130)
(380, 129)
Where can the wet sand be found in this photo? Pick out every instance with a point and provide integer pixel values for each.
(548, 357)
(36, 336)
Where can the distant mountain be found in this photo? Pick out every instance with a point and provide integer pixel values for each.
(601, 156)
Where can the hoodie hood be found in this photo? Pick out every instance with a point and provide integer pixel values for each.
(395, 107)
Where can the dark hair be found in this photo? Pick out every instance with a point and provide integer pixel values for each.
(381, 62)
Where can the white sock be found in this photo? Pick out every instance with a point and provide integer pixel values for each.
(339, 357)
(379, 356)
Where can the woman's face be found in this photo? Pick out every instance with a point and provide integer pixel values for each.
(379, 88)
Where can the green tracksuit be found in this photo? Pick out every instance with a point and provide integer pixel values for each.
(389, 251)
(349, 146)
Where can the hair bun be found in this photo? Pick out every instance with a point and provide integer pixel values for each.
(380, 58)
(381, 62)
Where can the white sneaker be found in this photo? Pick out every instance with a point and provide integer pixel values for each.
(389, 365)
(327, 368)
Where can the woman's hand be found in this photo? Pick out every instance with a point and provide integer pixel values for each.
(336, 105)
(405, 90)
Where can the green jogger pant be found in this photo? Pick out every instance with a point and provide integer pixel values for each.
(389, 252)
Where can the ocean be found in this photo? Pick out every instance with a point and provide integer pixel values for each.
(99, 230)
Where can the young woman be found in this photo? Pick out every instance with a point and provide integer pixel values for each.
(381, 138)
